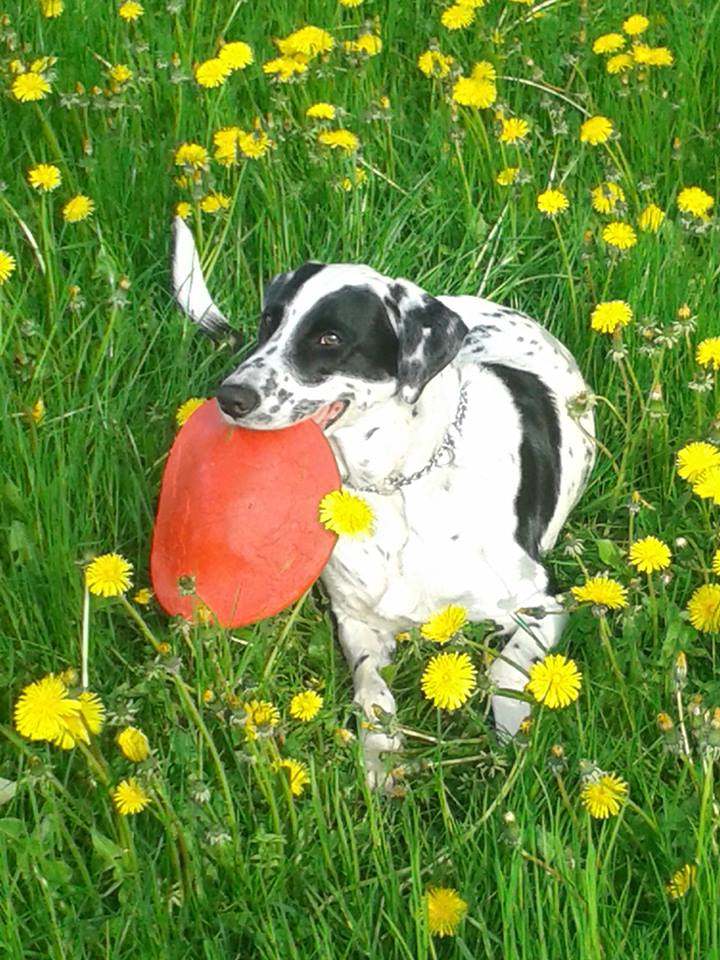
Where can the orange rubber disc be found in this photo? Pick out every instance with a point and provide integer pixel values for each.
(238, 513)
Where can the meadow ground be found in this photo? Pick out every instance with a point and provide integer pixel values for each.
(445, 186)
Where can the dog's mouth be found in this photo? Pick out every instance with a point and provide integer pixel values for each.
(326, 416)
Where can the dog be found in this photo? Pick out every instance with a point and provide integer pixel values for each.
(449, 416)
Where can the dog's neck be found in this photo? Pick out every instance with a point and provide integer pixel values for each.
(381, 448)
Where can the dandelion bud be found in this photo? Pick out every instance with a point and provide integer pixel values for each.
(656, 405)
(164, 648)
(665, 722)
(683, 312)
(677, 143)
(208, 696)
(511, 830)
(525, 727)
(556, 761)
(715, 719)
(680, 671)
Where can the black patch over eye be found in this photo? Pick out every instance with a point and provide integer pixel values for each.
(329, 339)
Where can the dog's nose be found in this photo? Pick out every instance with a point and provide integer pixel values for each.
(236, 400)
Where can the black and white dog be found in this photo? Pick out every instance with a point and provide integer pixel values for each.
(449, 415)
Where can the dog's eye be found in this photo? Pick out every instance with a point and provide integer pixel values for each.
(329, 339)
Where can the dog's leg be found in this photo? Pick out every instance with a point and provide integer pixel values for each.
(367, 651)
(533, 638)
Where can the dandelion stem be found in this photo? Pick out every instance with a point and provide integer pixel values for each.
(278, 646)
(85, 640)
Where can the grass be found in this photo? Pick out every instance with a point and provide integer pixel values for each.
(225, 862)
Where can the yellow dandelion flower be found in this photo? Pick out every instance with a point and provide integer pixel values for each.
(695, 458)
(457, 17)
(108, 575)
(507, 176)
(7, 266)
(435, 64)
(182, 209)
(445, 909)
(298, 775)
(359, 177)
(30, 86)
(346, 514)
(262, 713)
(596, 130)
(78, 208)
(130, 10)
(707, 485)
(321, 111)
(469, 92)
(696, 201)
(448, 680)
(255, 144)
(619, 235)
(682, 880)
(368, 43)
(652, 56)
(43, 708)
(651, 218)
(212, 73)
(609, 43)
(192, 155)
(445, 624)
(305, 706)
(143, 596)
(708, 353)
(187, 409)
(236, 54)
(650, 554)
(286, 68)
(213, 202)
(704, 608)
(513, 130)
(308, 42)
(608, 316)
(339, 140)
(606, 196)
(603, 797)
(51, 8)
(129, 797)
(227, 145)
(120, 73)
(555, 681)
(635, 25)
(133, 744)
(37, 414)
(552, 202)
(44, 177)
(601, 591)
(716, 562)
(77, 727)
(350, 3)
(620, 63)
(484, 70)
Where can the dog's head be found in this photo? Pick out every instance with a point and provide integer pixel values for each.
(333, 340)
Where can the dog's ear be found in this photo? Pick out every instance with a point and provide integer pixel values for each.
(429, 336)
(189, 288)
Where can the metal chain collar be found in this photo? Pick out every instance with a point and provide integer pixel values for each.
(443, 455)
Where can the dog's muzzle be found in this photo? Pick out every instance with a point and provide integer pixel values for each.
(237, 401)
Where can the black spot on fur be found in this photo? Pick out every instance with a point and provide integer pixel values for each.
(278, 293)
(365, 344)
(539, 455)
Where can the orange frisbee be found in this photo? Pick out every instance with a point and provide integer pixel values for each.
(237, 520)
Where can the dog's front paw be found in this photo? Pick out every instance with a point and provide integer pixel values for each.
(379, 750)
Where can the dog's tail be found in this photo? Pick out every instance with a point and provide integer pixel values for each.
(191, 292)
